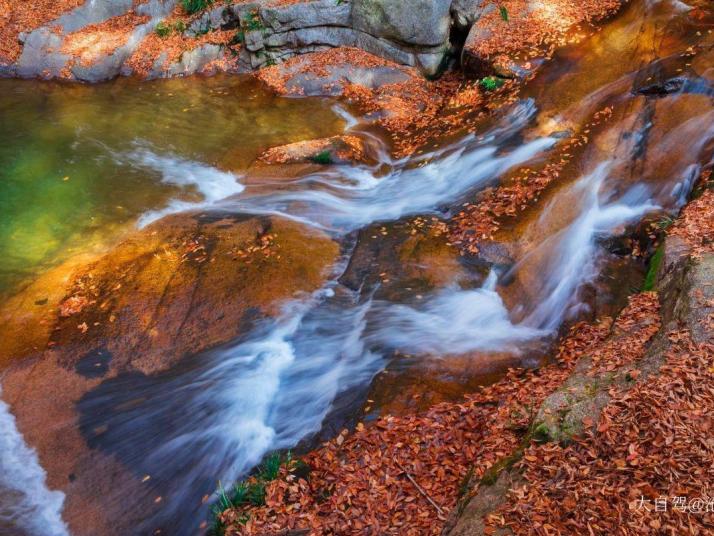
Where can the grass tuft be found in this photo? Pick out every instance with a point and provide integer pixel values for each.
(194, 6)
(251, 492)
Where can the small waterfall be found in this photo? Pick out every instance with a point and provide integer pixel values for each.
(575, 253)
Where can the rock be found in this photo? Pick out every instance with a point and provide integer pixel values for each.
(465, 12)
(42, 54)
(661, 89)
(423, 23)
(333, 150)
(184, 284)
(190, 62)
(340, 67)
(309, 14)
(277, 32)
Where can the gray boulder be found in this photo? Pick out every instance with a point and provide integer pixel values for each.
(420, 23)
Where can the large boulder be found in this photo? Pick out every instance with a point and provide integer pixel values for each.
(421, 23)
(420, 38)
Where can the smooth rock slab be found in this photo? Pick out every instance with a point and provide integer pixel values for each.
(184, 284)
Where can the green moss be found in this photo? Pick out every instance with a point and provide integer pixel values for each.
(655, 262)
(324, 158)
(162, 29)
(491, 475)
(541, 433)
(464, 484)
(253, 22)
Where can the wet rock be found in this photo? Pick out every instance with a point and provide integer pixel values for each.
(333, 150)
(182, 285)
(404, 260)
(660, 89)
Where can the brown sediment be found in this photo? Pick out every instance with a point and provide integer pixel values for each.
(17, 16)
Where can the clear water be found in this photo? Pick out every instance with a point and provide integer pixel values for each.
(72, 175)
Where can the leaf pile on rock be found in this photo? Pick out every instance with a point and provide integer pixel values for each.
(696, 225)
(648, 468)
(17, 16)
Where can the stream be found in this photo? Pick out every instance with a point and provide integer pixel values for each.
(85, 166)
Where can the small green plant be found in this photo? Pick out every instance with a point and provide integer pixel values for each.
(238, 38)
(162, 29)
(194, 6)
(253, 22)
(541, 433)
(250, 492)
(491, 83)
(324, 158)
(504, 13)
(270, 467)
(664, 223)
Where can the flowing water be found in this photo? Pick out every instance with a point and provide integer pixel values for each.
(131, 153)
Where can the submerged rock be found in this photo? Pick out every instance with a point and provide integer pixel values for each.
(182, 285)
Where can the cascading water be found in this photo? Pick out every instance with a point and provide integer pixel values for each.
(275, 387)
(214, 416)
